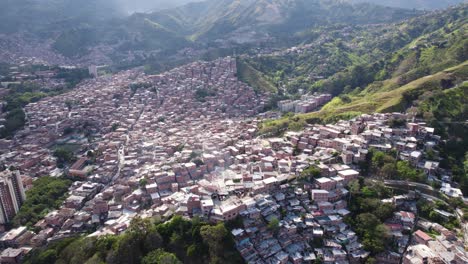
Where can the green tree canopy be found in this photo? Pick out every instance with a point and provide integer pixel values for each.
(159, 256)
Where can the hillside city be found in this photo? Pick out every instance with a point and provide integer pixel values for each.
(250, 131)
(184, 143)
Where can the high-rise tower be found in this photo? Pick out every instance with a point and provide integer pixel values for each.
(12, 195)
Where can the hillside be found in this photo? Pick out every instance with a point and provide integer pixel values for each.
(345, 106)
(215, 18)
(342, 58)
(424, 54)
(99, 31)
(401, 98)
(46, 16)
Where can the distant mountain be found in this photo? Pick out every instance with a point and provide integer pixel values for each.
(216, 18)
(418, 4)
(75, 28)
(35, 15)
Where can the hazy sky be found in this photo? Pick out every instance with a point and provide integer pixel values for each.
(419, 4)
(131, 6)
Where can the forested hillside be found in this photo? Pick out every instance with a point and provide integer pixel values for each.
(175, 241)
(215, 18)
(343, 58)
(362, 61)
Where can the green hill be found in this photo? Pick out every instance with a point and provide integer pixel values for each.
(409, 59)
(215, 18)
(343, 58)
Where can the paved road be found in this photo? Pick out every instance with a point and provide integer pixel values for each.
(427, 191)
(121, 151)
(412, 184)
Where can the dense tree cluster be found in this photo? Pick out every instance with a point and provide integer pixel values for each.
(447, 112)
(173, 242)
(64, 155)
(72, 76)
(202, 93)
(311, 172)
(386, 166)
(47, 194)
(426, 210)
(14, 120)
(369, 213)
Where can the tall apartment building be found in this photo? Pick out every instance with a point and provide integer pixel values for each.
(12, 195)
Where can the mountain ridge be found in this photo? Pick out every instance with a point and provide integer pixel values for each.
(212, 23)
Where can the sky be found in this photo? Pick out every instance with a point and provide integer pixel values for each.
(131, 6)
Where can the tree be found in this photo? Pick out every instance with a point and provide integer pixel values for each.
(368, 192)
(46, 194)
(311, 171)
(318, 260)
(63, 155)
(143, 182)
(127, 250)
(175, 241)
(407, 172)
(213, 236)
(160, 256)
(354, 187)
(202, 93)
(48, 256)
(68, 130)
(274, 226)
(198, 162)
(388, 171)
(368, 205)
(373, 232)
(69, 104)
(90, 154)
(384, 211)
(378, 159)
(396, 122)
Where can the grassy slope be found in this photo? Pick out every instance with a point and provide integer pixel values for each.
(253, 77)
(393, 100)
(379, 101)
